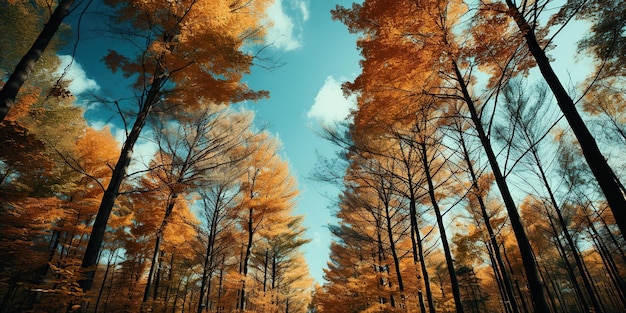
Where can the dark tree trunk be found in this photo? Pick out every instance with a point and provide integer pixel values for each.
(528, 260)
(497, 255)
(568, 238)
(601, 170)
(117, 177)
(244, 263)
(416, 244)
(420, 252)
(104, 280)
(157, 247)
(394, 255)
(9, 91)
(456, 292)
(153, 265)
(208, 260)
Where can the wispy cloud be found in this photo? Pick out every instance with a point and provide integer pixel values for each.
(287, 18)
(80, 83)
(303, 6)
(330, 105)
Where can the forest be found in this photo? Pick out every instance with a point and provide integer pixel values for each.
(472, 177)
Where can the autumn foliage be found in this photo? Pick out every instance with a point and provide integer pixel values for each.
(472, 179)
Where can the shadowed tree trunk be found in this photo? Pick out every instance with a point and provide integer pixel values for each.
(499, 268)
(117, 177)
(528, 259)
(603, 173)
(456, 292)
(9, 91)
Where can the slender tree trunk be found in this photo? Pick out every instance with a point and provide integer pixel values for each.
(609, 264)
(157, 245)
(568, 266)
(153, 265)
(568, 237)
(550, 297)
(417, 253)
(456, 292)
(506, 279)
(208, 259)
(420, 251)
(106, 300)
(244, 265)
(519, 290)
(9, 91)
(528, 260)
(601, 170)
(117, 177)
(394, 255)
(104, 280)
(157, 279)
(169, 288)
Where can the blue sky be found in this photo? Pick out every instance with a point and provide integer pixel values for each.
(315, 55)
(318, 55)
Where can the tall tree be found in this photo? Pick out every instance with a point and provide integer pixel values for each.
(172, 71)
(12, 86)
(268, 193)
(525, 15)
(390, 45)
(189, 150)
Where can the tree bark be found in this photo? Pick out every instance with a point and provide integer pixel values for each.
(506, 279)
(117, 177)
(597, 163)
(528, 259)
(9, 91)
(456, 292)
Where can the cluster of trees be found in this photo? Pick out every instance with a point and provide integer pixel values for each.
(206, 226)
(473, 184)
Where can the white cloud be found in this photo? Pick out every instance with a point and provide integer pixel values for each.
(285, 33)
(79, 81)
(330, 105)
(98, 125)
(143, 151)
(304, 9)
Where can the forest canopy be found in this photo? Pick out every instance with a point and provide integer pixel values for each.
(472, 175)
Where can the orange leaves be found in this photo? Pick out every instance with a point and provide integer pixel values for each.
(195, 44)
(115, 61)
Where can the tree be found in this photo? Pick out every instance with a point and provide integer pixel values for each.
(11, 87)
(389, 46)
(189, 151)
(608, 182)
(268, 193)
(172, 71)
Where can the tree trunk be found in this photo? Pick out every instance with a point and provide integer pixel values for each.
(244, 264)
(394, 255)
(208, 260)
(104, 280)
(506, 279)
(601, 170)
(9, 91)
(528, 260)
(568, 237)
(420, 252)
(568, 266)
(153, 265)
(117, 177)
(456, 292)
(416, 240)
